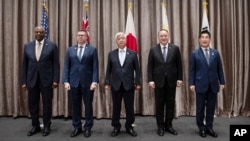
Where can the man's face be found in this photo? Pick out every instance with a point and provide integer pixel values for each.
(81, 37)
(39, 34)
(163, 37)
(204, 40)
(121, 41)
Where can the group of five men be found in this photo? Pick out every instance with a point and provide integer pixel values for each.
(40, 74)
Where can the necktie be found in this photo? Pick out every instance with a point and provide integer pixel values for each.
(80, 53)
(38, 51)
(165, 53)
(207, 56)
(122, 56)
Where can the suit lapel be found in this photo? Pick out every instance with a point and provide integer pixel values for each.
(159, 51)
(126, 56)
(117, 56)
(44, 48)
(170, 52)
(33, 49)
(201, 54)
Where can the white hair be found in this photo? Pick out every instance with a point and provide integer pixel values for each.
(119, 34)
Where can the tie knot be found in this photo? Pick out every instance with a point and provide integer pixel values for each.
(206, 49)
(80, 46)
(122, 50)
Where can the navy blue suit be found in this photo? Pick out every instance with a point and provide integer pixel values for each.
(39, 77)
(80, 74)
(207, 79)
(122, 80)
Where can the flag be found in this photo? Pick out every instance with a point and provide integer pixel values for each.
(130, 30)
(165, 24)
(85, 20)
(205, 24)
(44, 20)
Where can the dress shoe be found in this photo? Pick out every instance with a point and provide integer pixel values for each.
(115, 132)
(46, 131)
(211, 133)
(87, 133)
(160, 132)
(76, 132)
(202, 133)
(131, 132)
(171, 130)
(33, 131)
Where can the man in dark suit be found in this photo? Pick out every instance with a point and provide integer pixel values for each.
(206, 76)
(123, 76)
(164, 74)
(40, 73)
(80, 76)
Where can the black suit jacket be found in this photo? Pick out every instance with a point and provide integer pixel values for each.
(128, 74)
(158, 68)
(47, 66)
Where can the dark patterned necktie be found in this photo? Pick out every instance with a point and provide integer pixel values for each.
(207, 56)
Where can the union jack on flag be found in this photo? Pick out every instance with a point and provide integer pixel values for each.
(44, 20)
(85, 20)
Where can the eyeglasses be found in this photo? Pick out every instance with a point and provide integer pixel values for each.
(80, 35)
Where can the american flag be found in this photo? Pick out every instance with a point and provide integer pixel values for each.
(44, 20)
(85, 20)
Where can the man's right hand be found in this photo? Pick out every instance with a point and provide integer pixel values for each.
(67, 86)
(24, 87)
(107, 87)
(151, 85)
(192, 88)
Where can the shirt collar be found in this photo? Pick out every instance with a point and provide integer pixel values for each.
(41, 42)
(84, 45)
(124, 49)
(205, 48)
(163, 45)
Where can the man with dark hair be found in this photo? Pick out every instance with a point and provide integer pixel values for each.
(80, 76)
(40, 74)
(206, 76)
(164, 75)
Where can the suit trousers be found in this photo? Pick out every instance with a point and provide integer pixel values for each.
(77, 95)
(206, 101)
(128, 96)
(165, 103)
(33, 102)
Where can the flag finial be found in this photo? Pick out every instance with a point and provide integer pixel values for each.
(130, 6)
(86, 6)
(204, 3)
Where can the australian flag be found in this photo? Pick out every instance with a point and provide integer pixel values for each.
(44, 20)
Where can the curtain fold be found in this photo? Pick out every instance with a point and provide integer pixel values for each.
(229, 24)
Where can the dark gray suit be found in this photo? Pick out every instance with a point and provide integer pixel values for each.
(165, 76)
(123, 80)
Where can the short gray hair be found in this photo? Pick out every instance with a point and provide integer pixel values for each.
(119, 34)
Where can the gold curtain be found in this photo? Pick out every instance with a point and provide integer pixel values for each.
(229, 24)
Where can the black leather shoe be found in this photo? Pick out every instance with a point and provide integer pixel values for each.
(202, 133)
(76, 132)
(115, 132)
(160, 132)
(171, 130)
(211, 133)
(87, 133)
(33, 131)
(131, 132)
(46, 131)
